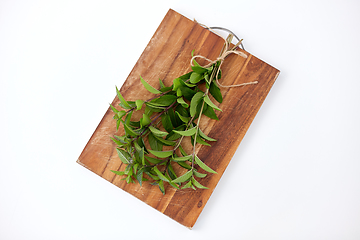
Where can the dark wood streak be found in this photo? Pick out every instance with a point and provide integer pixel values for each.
(180, 50)
(111, 153)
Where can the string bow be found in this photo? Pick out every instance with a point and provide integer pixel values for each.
(226, 51)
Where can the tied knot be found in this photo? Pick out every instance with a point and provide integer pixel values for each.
(226, 51)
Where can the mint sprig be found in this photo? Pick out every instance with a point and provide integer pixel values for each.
(171, 116)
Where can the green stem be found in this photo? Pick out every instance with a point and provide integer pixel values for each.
(197, 129)
(212, 76)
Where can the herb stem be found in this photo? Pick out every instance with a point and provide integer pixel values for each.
(213, 73)
(152, 122)
(197, 129)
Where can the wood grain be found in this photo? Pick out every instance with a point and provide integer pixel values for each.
(167, 56)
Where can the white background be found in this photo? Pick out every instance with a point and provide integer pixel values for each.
(296, 174)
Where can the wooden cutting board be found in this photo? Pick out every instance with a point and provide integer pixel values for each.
(167, 56)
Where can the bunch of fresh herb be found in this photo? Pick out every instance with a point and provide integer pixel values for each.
(173, 115)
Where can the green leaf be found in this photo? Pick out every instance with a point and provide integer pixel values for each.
(148, 110)
(156, 178)
(210, 103)
(196, 77)
(207, 85)
(207, 79)
(129, 131)
(161, 187)
(205, 137)
(194, 102)
(129, 179)
(136, 160)
(186, 76)
(139, 104)
(157, 132)
(123, 103)
(201, 141)
(178, 82)
(118, 124)
(142, 156)
(121, 113)
(187, 185)
(174, 185)
(128, 170)
(162, 85)
(189, 132)
(215, 92)
(120, 173)
(134, 124)
(153, 160)
(186, 176)
(197, 184)
(184, 165)
(137, 146)
(182, 102)
(128, 118)
(175, 121)
(178, 92)
(189, 84)
(136, 167)
(139, 176)
(155, 107)
(145, 120)
(183, 111)
(182, 159)
(165, 142)
(165, 100)
(160, 175)
(173, 136)
(194, 62)
(121, 139)
(171, 172)
(209, 112)
(117, 142)
(161, 154)
(114, 109)
(154, 143)
(182, 151)
(203, 165)
(199, 69)
(199, 175)
(182, 118)
(142, 144)
(149, 87)
(131, 104)
(123, 155)
(165, 89)
(166, 122)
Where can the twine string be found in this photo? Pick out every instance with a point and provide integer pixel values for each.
(226, 51)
